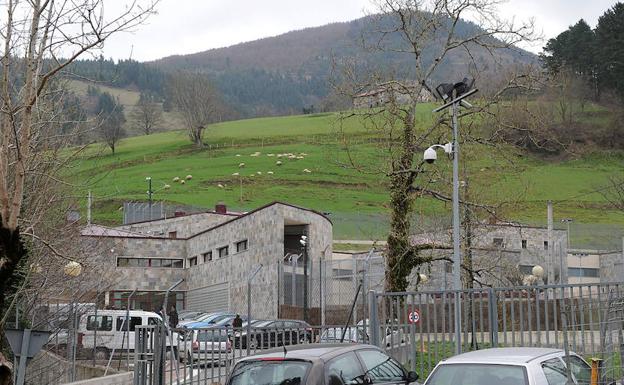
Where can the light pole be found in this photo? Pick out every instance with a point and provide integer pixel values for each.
(303, 241)
(456, 93)
(149, 195)
(567, 221)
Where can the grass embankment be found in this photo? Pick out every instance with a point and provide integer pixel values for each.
(356, 200)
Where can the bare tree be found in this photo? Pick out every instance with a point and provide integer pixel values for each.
(41, 38)
(195, 97)
(147, 114)
(428, 33)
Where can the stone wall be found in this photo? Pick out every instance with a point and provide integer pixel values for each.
(612, 267)
(185, 226)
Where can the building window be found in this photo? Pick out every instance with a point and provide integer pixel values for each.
(526, 269)
(545, 245)
(173, 234)
(193, 261)
(497, 242)
(583, 272)
(223, 251)
(207, 256)
(149, 262)
(241, 246)
(448, 268)
(524, 243)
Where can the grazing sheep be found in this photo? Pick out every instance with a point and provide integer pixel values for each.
(182, 181)
(166, 187)
(241, 165)
(306, 170)
(259, 172)
(238, 154)
(235, 174)
(279, 163)
(176, 179)
(220, 185)
(189, 177)
(270, 172)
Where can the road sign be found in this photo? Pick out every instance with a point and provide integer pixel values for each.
(414, 316)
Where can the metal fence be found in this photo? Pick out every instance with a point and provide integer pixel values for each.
(581, 317)
(417, 328)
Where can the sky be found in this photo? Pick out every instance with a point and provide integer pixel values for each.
(189, 26)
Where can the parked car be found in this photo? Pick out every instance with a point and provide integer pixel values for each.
(314, 364)
(393, 334)
(211, 347)
(510, 366)
(109, 330)
(273, 333)
(206, 320)
(352, 335)
(189, 315)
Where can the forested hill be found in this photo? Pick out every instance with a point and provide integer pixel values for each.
(287, 73)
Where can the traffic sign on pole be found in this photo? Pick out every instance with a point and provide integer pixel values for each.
(414, 316)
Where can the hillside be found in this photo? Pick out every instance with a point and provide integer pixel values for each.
(282, 74)
(357, 202)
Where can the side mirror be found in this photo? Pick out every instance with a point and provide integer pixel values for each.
(411, 377)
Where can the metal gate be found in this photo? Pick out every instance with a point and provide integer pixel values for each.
(209, 299)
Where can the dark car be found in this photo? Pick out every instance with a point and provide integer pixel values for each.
(321, 364)
(274, 333)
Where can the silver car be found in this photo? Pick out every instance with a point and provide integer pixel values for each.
(511, 366)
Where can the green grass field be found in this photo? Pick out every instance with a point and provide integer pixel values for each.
(356, 200)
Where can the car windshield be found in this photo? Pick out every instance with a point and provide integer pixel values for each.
(279, 372)
(478, 374)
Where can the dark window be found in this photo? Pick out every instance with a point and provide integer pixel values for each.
(122, 262)
(583, 272)
(223, 251)
(207, 256)
(545, 245)
(142, 262)
(102, 323)
(193, 261)
(134, 322)
(156, 262)
(448, 267)
(346, 368)
(165, 262)
(380, 367)
(524, 243)
(497, 242)
(526, 269)
(173, 234)
(241, 246)
(177, 263)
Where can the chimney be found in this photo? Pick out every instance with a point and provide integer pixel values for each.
(221, 208)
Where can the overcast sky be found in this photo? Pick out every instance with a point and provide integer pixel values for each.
(188, 26)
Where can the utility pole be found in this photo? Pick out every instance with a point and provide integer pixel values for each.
(89, 208)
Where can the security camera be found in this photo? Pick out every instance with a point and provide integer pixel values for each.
(430, 155)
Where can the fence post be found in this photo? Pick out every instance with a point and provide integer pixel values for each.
(374, 317)
(493, 302)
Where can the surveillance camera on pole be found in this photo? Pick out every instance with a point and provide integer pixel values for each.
(453, 95)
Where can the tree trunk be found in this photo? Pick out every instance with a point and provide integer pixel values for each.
(12, 251)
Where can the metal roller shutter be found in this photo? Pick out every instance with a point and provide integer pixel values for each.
(209, 299)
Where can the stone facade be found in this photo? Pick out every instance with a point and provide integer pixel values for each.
(259, 234)
(502, 253)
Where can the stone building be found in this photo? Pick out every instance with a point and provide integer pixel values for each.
(502, 255)
(213, 252)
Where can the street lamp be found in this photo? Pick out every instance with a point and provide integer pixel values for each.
(303, 241)
(455, 94)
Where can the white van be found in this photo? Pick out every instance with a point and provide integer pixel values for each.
(113, 332)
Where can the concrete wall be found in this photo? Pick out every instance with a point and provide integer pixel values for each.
(50, 369)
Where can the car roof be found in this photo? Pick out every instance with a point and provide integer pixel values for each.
(123, 312)
(502, 355)
(309, 352)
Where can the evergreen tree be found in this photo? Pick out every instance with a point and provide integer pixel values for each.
(610, 49)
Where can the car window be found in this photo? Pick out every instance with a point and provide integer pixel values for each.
(380, 367)
(555, 372)
(478, 374)
(133, 321)
(346, 367)
(580, 369)
(102, 323)
(270, 372)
